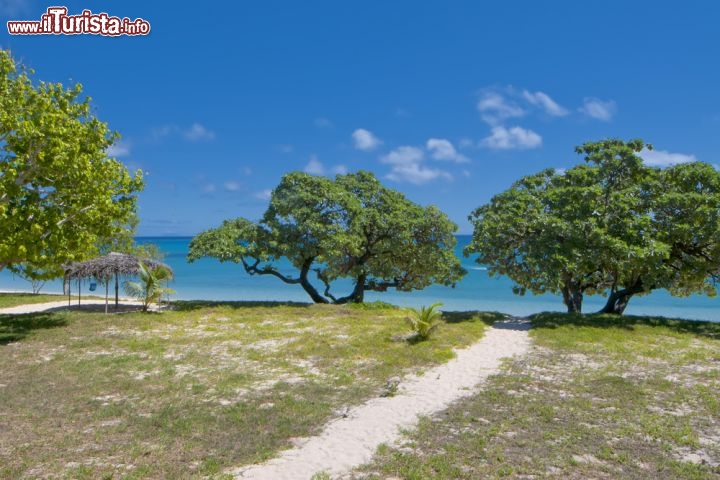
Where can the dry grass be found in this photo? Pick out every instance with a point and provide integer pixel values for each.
(634, 398)
(188, 393)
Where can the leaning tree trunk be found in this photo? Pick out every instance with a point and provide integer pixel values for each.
(618, 300)
(307, 286)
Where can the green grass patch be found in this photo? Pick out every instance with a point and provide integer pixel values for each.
(191, 392)
(15, 299)
(598, 397)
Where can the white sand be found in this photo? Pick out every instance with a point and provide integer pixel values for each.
(41, 307)
(351, 441)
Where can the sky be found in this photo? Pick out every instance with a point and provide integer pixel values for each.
(449, 102)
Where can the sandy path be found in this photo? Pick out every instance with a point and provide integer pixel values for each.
(41, 307)
(351, 441)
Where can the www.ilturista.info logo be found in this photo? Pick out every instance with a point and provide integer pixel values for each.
(57, 22)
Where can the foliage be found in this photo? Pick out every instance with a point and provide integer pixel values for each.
(150, 287)
(425, 321)
(612, 226)
(60, 194)
(351, 227)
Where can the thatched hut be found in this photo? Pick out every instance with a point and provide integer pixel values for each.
(103, 269)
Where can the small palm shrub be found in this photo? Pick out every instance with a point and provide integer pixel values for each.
(150, 288)
(425, 321)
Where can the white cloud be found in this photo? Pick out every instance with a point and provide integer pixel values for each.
(407, 166)
(285, 148)
(118, 149)
(495, 108)
(441, 149)
(403, 156)
(314, 166)
(209, 188)
(466, 143)
(502, 138)
(365, 140)
(599, 109)
(322, 122)
(340, 170)
(544, 101)
(663, 158)
(232, 186)
(263, 194)
(198, 132)
(416, 174)
(194, 133)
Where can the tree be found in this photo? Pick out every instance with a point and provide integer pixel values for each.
(351, 227)
(611, 226)
(60, 194)
(150, 287)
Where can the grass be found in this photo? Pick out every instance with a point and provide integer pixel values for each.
(191, 392)
(599, 397)
(15, 299)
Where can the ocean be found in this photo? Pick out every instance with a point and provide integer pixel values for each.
(208, 279)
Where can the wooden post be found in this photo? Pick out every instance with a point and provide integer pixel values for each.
(116, 291)
(107, 285)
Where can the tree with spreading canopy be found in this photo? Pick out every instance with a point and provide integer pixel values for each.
(611, 226)
(350, 227)
(60, 195)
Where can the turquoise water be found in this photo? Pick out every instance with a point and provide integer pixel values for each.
(209, 279)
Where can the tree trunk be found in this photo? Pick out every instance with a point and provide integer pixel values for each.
(573, 298)
(307, 286)
(618, 300)
(358, 293)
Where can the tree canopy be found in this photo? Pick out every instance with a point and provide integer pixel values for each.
(60, 194)
(612, 226)
(350, 227)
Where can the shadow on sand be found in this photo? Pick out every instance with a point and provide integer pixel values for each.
(555, 320)
(15, 327)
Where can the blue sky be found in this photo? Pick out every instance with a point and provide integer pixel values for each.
(448, 102)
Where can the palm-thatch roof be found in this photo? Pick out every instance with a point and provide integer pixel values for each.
(106, 267)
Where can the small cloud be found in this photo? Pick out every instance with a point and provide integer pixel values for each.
(263, 194)
(441, 149)
(466, 143)
(543, 100)
(513, 138)
(285, 148)
(209, 188)
(198, 132)
(340, 170)
(495, 108)
(402, 113)
(194, 133)
(365, 140)
(163, 131)
(247, 171)
(406, 166)
(416, 174)
(403, 156)
(232, 186)
(598, 109)
(314, 166)
(322, 122)
(118, 149)
(663, 158)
